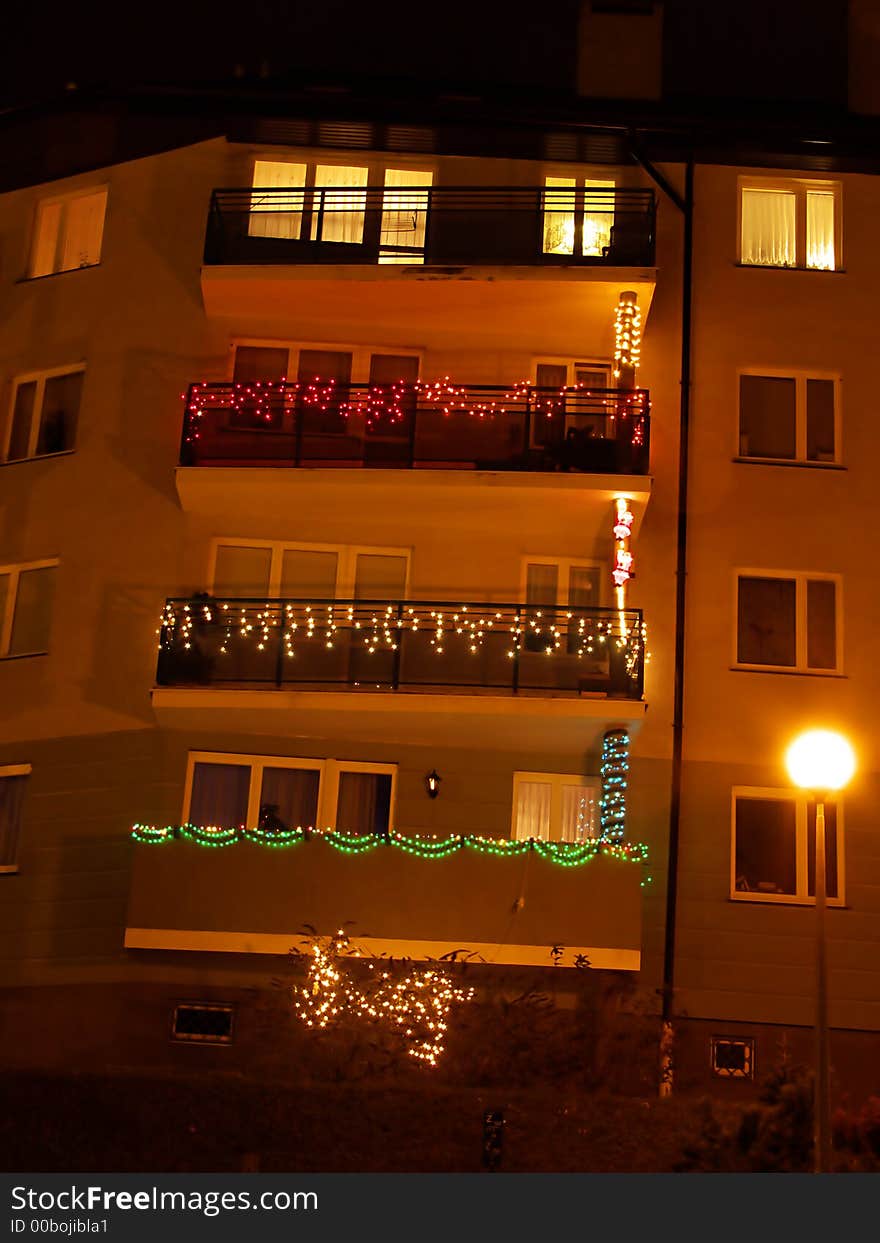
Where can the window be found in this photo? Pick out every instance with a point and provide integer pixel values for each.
(68, 232)
(789, 418)
(555, 806)
(788, 622)
(578, 216)
(790, 224)
(245, 569)
(204, 1023)
(773, 855)
(26, 595)
(13, 781)
(278, 793)
(44, 413)
(554, 587)
(299, 205)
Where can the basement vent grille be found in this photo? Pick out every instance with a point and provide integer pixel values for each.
(206, 1024)
(733, 1057)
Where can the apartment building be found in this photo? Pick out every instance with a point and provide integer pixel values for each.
(328, 505)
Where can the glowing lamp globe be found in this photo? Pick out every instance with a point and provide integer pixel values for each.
(820, 760)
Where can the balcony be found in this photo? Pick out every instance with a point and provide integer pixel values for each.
(252, 897)
(442, 225)
(519, 268)
(418, 671)
(417, 426)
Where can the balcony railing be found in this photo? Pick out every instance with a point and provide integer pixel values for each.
(447, 225)
(401, 645)
(324, 423)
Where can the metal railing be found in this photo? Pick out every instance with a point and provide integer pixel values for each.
(411, 425)
(400, 645)
(441, 225)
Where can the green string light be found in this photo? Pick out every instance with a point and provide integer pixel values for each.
(614, 770)
(564, 854)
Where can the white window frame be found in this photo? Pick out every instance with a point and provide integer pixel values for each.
(13, 770)
(565, 565)
(801, 578)
(572, 365)
(8, 616)
(346, 564)
(556, 781)
(329, 771)
(801, 800)
(361, 355)
(64, 199)
(799, 187)
(800, 377)
(40, 377)
(581, 175)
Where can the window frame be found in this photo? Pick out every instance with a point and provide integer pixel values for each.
(329, 771)
(346, 563)
(361, 355)
(572, 366)
(799, 187)
(801, 799)
(581, 174)
(800, 578)
(556, 781)
(14, 770)
(565, 565)
(800, 375)
(28, 377)
(65, 198)
(7, 617)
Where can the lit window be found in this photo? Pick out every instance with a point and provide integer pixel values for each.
(68, 233)
(789, 418)
(790, 224)
(555, 806)
(404, 216)
(13, 782)
(339, 215)
(279, 213)
(44, 414)
(278, 794)
(788, 623)
(773, 856)
(26, 595)
(578, 216)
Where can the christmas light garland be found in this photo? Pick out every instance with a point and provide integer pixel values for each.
(563, 854)
(265, 401)
(614, 770)
(415, 1006)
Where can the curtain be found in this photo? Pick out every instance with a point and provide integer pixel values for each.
(46, 239)
(219, 795)
(579, 818)
(533, 800)
(598, 217)
(289, 798)
(83, 229)
(364, 803)
(820, 229)
(343, 219)
(768, 228)
(559, 196)
(404, 215)
(11, 800)
(277, 215)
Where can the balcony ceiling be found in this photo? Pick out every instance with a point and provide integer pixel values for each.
(540, 310)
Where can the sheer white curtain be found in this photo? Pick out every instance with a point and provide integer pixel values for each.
(579, 813)
(277, 215)
(598, 217)
(404, 214)
(343, 219)
(559, 197)
(769, 227)
(533, 799)
(820, 229)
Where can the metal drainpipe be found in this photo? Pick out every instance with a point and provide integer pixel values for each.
(667, 1067)
(686, 206)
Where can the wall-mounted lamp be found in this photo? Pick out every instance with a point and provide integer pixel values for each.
(432, 783)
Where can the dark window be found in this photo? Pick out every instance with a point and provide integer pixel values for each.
(765, 856)
(12, 790)
(821, 624)
(219, 795)
(820, 421)
(289, 798)
(44, 415)
(766, 611)
(830, 850)
(767, 417)
(324, 377)
(207, 1024)
(364, 804)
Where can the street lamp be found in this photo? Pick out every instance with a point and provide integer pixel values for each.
(821, 761)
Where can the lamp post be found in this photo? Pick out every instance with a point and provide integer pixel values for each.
(821, 762)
